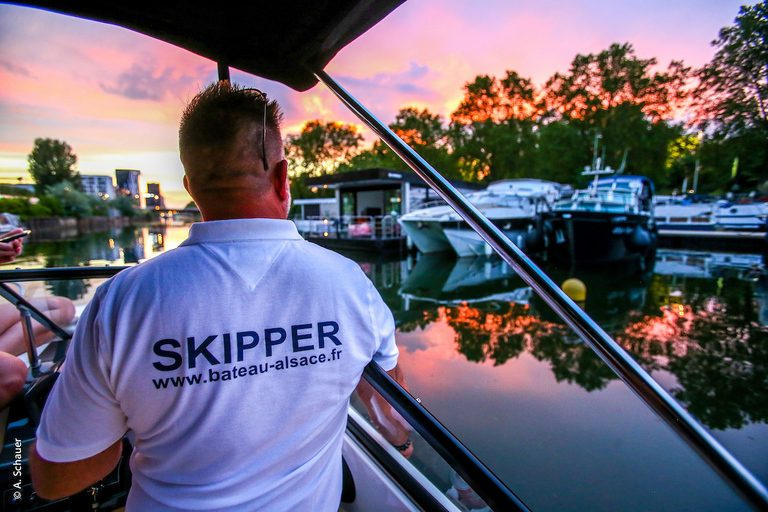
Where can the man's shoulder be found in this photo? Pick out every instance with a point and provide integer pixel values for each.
(319, 256)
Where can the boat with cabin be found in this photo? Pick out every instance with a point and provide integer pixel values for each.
(710, 214)
(515, 206)
(255, 39)
(711, 223)
(609, 221)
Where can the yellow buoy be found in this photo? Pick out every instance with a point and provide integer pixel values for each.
(575, 289)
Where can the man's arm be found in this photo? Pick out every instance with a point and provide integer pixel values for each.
(382, 415)
(55, 480)
(398, 376)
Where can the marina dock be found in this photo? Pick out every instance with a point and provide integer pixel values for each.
(742, 241)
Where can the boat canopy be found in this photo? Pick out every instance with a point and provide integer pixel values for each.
(626, 181)
(285, 41)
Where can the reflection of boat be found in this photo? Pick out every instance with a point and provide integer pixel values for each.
(610, 221)
(513, 205)
(608, 301)
(707, 264)
(439, 279)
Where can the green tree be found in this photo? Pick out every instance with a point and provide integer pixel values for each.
(51, 162)
(563, 149)
(614, 93)
(123, 204)
(15, 206)
(10, 190)
(733, 90)
(597, 84)
(48, 207)
(74, 203)
(379, 155)
(427, 134)
(321, 147)
(683, 156)
(493, 129)
(732, 99)
(423, 131)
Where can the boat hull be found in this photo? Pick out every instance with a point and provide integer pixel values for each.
(712, 217)
(592, 238)
(467, 243)
(427, 236)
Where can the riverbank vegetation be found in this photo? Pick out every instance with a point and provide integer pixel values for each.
(682, 127)
(58, 190)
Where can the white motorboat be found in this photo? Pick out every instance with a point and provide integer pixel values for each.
(512, 205)
(720, 215)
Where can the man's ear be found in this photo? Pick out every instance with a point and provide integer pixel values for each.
(186, 184)
(282, 183)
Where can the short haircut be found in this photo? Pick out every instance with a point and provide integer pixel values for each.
(220, 117)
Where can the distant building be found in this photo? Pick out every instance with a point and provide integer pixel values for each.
(155, 200)
(99, 186)
(128, 184)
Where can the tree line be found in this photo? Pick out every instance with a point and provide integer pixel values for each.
(58, 190)
(674, 125)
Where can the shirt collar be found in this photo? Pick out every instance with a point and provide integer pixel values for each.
(238, 230)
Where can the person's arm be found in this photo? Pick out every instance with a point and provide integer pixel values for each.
(383, 416)
(79, 438)
(56, 480)
(398, 376)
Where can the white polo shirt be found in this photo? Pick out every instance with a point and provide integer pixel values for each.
(232, 359)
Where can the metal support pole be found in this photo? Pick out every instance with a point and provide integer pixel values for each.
(470, 468)
(223, 71)
(29, 337)
(19, 301)
(644, 386)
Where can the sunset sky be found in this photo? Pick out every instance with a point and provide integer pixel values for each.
(116, 96)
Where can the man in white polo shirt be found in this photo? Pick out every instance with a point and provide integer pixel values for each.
(232, 357)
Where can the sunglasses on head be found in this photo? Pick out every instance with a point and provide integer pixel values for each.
(263, 97)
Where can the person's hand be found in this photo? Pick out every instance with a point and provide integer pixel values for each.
(9, 250)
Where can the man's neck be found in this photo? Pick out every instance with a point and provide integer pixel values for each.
(227, 210)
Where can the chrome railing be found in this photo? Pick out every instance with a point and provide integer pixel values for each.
(381, 227)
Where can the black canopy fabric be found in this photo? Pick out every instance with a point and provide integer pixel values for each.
(286, 41)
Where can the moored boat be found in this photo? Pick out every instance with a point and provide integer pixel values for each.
(515, 206)
(611, 221)
(720, 215)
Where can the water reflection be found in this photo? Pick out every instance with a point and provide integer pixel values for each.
(699, 317)
(121, 246)
(695, 321)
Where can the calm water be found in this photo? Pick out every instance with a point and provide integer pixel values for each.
(502, 372)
